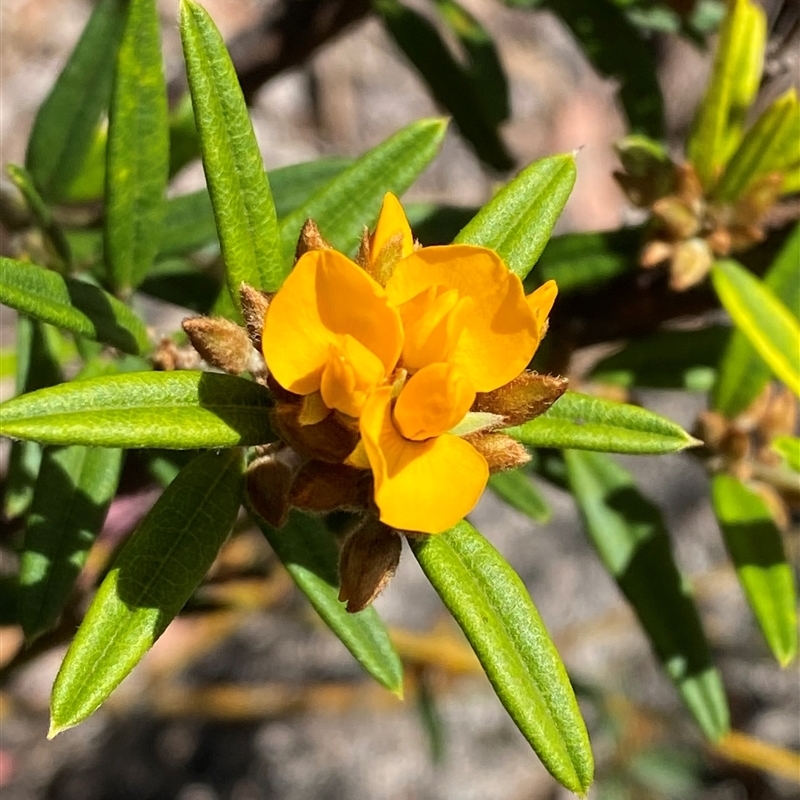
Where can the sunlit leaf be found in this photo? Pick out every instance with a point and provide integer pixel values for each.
(743, 374)
(756, 549)
(767, 323)
(173, 410)
(589, 423)
(789, 448)
(344, 205)
(492, 606)
(137, 157)
(239, 189)
(73, 305)
(149, 582)
(73, 491)
(518, 220)
(734, 81)
(64, 128)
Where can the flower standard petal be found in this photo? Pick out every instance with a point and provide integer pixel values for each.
(426, 487)
(391, 222)
(541, 302)
(325, 297)
(432, 402)
(500, 334)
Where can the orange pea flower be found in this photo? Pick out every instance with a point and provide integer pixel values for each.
(403, 342)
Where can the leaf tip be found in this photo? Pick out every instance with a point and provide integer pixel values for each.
(55, 729)
(691, 441)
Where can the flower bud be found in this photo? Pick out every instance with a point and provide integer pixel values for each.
(500, 451)
(254, 310)
(523, 398)
(322, 487)
(223, 344)
(310, 239)
(328, 440)
(268, 481)
(368, 560)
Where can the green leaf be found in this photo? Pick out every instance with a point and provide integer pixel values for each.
(734, 81)
(518, 220)
(189, 219)
(352, 200)
(756, 549)
(618, 51)
(630, 538)
(37, 367)
(173, 410)
(771, 145)
(308, 551)
(492, 606)
(520, 492)
(64, 128)
(584, 261)
(452, 85)
(667, 360)
(150, 581)
(789, 448)
(767, 323)
(589, 423)
(239, 189)
(41, 213)
(73, 491)
(137, 156)
(71, 304)
(743, 374)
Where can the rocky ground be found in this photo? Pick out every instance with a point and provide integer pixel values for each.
(301, 722)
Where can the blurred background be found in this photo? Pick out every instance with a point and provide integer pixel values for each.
(248, 696)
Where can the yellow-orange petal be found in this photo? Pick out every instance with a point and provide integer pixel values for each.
(425, 487)
(351, 373)
(391, 221)
(541, 302)
(500, 334)
(325, 297)
(432, 402)
(433, 322)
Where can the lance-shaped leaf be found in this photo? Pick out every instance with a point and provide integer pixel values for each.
(756, 549)
(492, 606)
(451, 84)
(189, 219)
(41, 212)
(237, 183)
(73, 491)
(518, 220)
(71, 304)
(771, 145)
(581, 261)
(520, 492)
(37, 367)
(734, 81)
(667, 360)
(149, 582)
(173, 410)
(308, 551)
(600, 26)
(343, 206)
(64, 128)
(589, 423)
(742, 372)
(630, 538)
(768, 324)
(137, 155)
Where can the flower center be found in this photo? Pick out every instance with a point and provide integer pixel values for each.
(351, 372)
(433, 321)
(433, 401)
